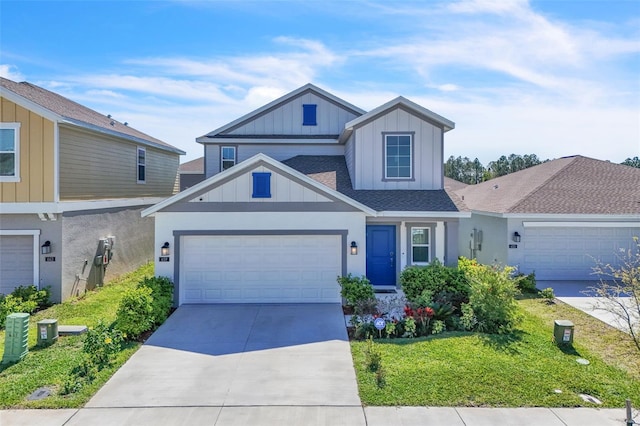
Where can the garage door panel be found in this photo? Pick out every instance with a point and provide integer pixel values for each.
(557, 253)
(16, 262)
(262, 268)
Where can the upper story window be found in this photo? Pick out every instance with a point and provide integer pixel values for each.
(309, 115)
(142, 165)
(261, 185)
(420, 246)
(227, 157)
(398, 156)
(9, 152)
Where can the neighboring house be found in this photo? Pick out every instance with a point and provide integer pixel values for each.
(72, 185)
(556, 218)
(305, 189)
(190, 173)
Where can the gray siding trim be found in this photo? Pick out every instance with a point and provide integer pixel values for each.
(106, 210)
(242, 136)
(405, 109)
(384, 156)
(260, 207)
(177, 234)
(235, 174)
(274, 107)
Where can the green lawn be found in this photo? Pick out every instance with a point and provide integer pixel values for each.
(523, 369)
(51, 365)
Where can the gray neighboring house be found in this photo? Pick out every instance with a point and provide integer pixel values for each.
(304, 189)
(191, 173)
(72, 185)
(556, 218)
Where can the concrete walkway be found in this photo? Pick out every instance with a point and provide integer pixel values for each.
(315, 416)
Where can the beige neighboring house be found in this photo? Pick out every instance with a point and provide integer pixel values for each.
(191, 173)
(556, 218)
(72, 185)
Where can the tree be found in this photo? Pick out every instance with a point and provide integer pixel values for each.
(633, 162)
(619, 288)
(464, 169)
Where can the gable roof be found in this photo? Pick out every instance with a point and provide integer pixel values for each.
(275, 104)
(67, 111)
(243, 167)
(568, 185)
(192, 167)
(331, 171)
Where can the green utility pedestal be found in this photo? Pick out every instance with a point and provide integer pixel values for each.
(563, 332)
(16, 336)
(47, 332)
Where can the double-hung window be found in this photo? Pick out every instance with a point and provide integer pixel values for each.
(9, 152)
(398, 152)
(227, 157)
(420, 246)
(142, 165)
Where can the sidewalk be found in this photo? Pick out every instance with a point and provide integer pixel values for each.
(312, 416)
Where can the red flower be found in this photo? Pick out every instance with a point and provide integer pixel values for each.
(429, 311)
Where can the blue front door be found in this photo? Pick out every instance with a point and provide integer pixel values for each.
(381, 254)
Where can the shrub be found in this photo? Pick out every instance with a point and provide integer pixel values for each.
(526, 283)
(492, 298)
(23, 299)
(162, 295)
(101, 344)
(355, 289)
(445, 284)
(548, 294)
(135, 312)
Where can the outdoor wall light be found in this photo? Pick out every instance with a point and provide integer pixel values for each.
(354, 247)
(516, 237)
(164, 250)
(46, 247)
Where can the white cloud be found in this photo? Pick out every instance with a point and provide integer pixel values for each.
(11, 72)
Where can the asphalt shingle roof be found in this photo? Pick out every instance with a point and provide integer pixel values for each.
(332, 171)
(569, 185)
(193, 166)
(78, 114)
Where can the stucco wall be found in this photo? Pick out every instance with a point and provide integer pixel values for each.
(81, 231)
(495, 244)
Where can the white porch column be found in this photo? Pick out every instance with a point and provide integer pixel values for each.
(403, 245)
(440, 240)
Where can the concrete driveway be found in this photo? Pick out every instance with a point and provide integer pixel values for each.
(580, 295)
(240, 356)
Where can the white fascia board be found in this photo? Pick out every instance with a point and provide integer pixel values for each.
(267, 141)
(280, 100)
(420, 110)
(581, 225)
(70, 206)
(424, 214)
(30, 105)
(246, 165)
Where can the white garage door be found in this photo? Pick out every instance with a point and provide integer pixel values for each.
(16, 262)
(260, 269)
(559, 253)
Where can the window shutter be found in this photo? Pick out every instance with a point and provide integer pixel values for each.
(261, 185)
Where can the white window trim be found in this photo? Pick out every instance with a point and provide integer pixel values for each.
(36, 249)
(235, 156)
(428, 245)
(16, 128)
(138, 164)
(384, 156)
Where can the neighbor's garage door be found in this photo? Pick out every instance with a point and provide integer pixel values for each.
(570, 253)
(260, 269)
(16, 262)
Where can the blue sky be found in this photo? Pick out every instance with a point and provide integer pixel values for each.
(553, 78)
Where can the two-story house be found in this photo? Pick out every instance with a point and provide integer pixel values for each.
(72, 185)
(302, 190)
